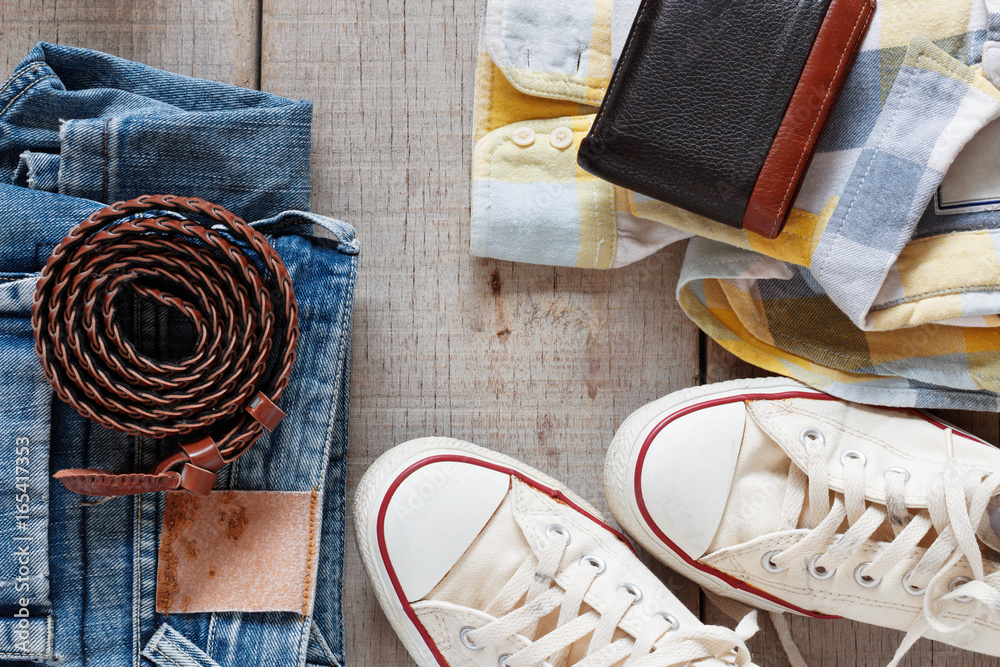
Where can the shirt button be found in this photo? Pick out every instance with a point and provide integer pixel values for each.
(561, 137)
(523, 136)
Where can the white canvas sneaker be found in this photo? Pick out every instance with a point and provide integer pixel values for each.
(787, 499)
(478, 560)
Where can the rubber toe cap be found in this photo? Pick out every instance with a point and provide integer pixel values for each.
(433, 516)
(687, 474)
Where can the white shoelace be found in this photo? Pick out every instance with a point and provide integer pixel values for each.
(957, 512)
(534, 583)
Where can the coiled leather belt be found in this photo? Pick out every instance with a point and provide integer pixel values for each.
(218, 273)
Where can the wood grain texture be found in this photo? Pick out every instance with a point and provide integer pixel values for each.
(213, 39)
(540, 363)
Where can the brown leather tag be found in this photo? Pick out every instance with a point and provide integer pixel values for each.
(238, 551)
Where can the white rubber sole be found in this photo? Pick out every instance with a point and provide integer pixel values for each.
(368, 500)
(620, 464)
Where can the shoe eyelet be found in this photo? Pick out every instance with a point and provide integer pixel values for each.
(812, 436)
(632, 589)
(466, 642)
(955, 583)
(904, 471)
(769, 565)
(912, 590)
(502, 661)
(671, 619)
(819, 573)
(559, 529)
(596, 561)
(853, 455)
(863, 581)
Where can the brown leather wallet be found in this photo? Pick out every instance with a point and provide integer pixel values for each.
(717, 106)
(218, 272)
(836, 46)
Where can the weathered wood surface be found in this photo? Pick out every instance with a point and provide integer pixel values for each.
(540, 363)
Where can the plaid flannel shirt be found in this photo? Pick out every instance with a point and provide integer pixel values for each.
(884, 286)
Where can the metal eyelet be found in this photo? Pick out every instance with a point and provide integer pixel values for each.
(634, 590)
(671, 619)
(853, 455)
(502, 662)
(596, 562)
(819, 573)
(559, 529)
(955, 583)
(863, 581)
(912, 590)
(812, 436)
(904, 471)
(769, 565)
(464, 636)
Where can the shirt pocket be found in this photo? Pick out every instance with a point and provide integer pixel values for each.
(25, 422)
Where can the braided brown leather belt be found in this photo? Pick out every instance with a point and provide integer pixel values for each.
(231, 286)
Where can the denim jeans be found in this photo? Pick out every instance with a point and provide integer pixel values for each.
(78, 580)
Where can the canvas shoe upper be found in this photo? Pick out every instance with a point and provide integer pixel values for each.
(478, 560)
(785, 498)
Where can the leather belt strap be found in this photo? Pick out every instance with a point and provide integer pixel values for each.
(225, 279)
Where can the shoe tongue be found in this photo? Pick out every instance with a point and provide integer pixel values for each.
(757, 491)
(488, 564)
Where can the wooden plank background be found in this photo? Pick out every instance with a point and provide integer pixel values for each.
(541, 363)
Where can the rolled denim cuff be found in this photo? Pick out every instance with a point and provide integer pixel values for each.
(37, 171)
(226, 156)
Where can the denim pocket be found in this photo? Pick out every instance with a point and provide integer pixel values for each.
(25, 421)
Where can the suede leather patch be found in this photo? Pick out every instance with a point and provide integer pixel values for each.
(238, 551)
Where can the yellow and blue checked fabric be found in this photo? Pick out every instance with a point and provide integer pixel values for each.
(544, 66)
(885, 285)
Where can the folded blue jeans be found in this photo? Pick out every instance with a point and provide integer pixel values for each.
(78, 580)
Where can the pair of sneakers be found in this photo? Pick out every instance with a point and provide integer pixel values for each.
(762, 491)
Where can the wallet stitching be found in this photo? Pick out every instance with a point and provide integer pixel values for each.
(616, 79)
(812, 131)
